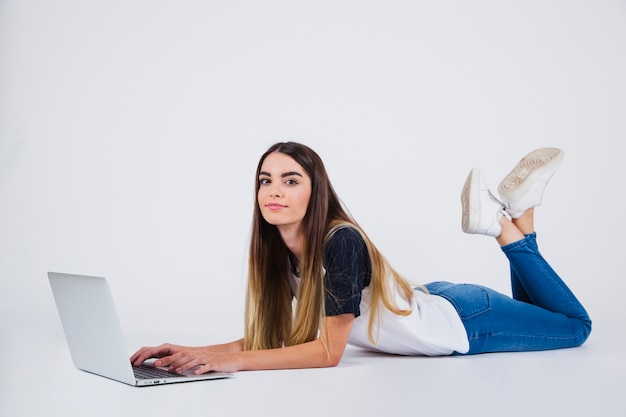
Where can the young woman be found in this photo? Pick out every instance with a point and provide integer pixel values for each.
(305, 247)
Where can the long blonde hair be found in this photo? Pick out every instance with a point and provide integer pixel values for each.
(270, 321)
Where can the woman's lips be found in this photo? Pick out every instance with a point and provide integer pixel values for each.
(274, 206)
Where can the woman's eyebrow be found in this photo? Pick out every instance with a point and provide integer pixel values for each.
(286, 174)
(290, 173)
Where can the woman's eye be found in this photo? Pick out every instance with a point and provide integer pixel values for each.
(264, 181)
(291, 182)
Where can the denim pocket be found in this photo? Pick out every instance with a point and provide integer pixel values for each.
(469, 300)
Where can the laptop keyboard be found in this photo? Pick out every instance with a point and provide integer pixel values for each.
(150, 372)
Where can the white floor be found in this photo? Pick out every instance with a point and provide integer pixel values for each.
(38, 378)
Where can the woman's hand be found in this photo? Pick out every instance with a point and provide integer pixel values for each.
(183, 358)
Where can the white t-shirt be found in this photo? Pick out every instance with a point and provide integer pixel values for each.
(434, 327)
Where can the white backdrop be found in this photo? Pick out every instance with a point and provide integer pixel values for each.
(130, 132)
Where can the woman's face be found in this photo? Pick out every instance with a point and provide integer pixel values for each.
(284, 191)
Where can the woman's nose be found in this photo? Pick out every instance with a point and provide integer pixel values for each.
(274, 191)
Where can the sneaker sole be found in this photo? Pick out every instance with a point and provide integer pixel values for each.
(468, 200)
(531, 168)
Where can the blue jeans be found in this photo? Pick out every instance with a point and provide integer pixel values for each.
(543, 313)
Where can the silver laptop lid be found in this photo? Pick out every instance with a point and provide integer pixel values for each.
(91, 325)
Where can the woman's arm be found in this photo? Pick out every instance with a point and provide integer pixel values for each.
(232, 359)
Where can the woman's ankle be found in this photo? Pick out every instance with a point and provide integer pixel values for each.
(510, 232)
(526, 222)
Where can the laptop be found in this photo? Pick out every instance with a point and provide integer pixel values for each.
(94, 334)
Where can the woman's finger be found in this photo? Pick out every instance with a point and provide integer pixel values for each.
(146, 353)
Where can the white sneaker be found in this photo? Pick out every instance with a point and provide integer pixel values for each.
(523, 187)
(481, 210)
